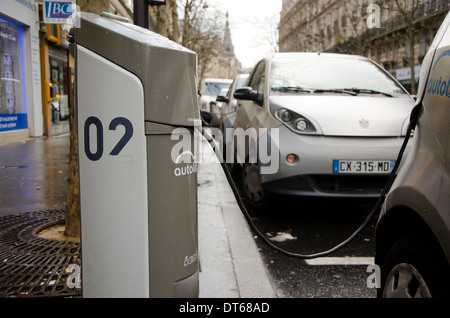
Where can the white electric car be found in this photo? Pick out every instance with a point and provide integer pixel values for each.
(413, 232)
(324, 125)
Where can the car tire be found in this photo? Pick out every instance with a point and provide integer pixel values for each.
(414, 268)
(252, 189)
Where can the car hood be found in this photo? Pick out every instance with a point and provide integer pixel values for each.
(350, 115)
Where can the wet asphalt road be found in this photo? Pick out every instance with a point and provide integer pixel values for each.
(26, 186)
(316, 227)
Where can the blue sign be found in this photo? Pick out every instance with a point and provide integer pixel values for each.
(13, 121)
(57, 12)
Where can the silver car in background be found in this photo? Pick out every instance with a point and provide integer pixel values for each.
(228, 109)
(340, 122)
(229, 102)
(216, 107)
(210, 90)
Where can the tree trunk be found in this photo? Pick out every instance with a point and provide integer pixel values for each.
(72, 220)
(72, 228)
(175, 29)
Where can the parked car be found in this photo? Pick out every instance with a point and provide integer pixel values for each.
(216, 107)
(211, 88)
(339, 120)
(229, 103)
(413, 232)
(228, 108)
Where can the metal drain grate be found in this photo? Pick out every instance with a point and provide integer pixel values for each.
(31, 266)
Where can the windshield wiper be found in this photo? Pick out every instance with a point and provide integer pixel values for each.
(296, 89)
(368, 91)
(351, 91)
(336, 90)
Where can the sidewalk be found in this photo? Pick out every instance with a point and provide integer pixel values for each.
(230, 262)
(32, 175)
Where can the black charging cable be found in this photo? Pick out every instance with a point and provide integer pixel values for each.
(411, 126)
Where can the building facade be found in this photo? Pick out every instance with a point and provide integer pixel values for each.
(394, 33)
(37, 69)
(20, 85)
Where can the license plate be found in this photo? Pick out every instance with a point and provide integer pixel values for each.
(363, 166)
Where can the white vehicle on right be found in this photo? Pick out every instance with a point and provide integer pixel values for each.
(413, 232)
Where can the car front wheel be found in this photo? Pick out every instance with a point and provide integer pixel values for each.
(414, 268)
(252, 187)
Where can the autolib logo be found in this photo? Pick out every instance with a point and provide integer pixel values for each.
(439, 86)
(188, 168)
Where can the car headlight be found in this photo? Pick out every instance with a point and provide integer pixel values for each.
(296, 122)
(285, 115)
(301, 125)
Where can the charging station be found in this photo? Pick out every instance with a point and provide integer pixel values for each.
(138, 217)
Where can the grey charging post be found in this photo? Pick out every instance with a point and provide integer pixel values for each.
(135, 90)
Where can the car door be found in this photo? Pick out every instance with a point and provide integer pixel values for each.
(248, 111)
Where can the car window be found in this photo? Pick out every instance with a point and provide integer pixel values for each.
(318, 74)
(257, 80)
(237, 83)
(241, 81)
(213, 88)
(229, 91)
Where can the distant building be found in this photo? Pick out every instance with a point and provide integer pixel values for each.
(224, 64)
(379, 30)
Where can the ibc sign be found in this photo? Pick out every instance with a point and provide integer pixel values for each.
(58, 12)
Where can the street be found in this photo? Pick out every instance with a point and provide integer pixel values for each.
(310, 227)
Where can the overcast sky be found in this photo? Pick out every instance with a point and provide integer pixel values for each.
(253, 25)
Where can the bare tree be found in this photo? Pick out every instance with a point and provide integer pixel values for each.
(410, 11)
(355, 15)
(166, 20)
(269, 32)
(202, 32)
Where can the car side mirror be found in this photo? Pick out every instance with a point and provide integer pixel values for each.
(222, 99)
(246, 93)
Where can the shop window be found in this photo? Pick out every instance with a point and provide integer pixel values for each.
(13, 101)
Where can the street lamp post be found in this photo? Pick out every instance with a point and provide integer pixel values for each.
(140, 11)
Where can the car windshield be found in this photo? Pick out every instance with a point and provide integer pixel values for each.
(213, 88)
(336, 75)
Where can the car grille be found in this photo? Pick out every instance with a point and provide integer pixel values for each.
(346, 183)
